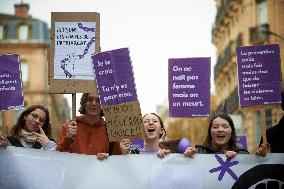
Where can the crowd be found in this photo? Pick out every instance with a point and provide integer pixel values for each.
(87, 134)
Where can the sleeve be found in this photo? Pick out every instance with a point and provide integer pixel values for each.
(114, 148)
(63, 144)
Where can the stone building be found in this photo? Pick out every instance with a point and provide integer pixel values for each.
(244, 23)
(29, 37)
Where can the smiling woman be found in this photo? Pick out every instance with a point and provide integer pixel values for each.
(154, 131)
(32, 130)
(221, 138)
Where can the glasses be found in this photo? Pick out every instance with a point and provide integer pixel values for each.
(35, 117)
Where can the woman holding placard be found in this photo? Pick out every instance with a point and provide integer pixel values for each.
(154, 131)
(32, 130)
(221, 139)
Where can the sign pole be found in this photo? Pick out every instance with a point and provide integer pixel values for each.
(73, 106)
(263, 127)
(4, 123)
(192, 133)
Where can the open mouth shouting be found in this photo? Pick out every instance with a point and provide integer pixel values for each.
(150, 130)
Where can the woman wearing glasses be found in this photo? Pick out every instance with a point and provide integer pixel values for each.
(32, 130)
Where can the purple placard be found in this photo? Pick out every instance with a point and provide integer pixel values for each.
(189, 87)
(259, 75)
(11, 92)
(114, 77)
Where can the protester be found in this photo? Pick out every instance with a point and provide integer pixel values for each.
(87, 134)
(221, 138)
(32, 130)
(154, 131)
(274, 136)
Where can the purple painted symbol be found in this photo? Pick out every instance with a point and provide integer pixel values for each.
(225, 167)
(64, 63)
(86, 29)
(87, 48)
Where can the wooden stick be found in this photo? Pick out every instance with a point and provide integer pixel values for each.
(4, 123)
(73, 106)
(192, 133)
(263, 126)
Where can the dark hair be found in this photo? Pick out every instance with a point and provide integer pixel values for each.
(164, 133)
(21, 122)
(232, 145)
(83, 101)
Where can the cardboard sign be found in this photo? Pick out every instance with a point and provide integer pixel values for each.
(204, 171)
(74, 38)
(118, 96)
(124, 121)
(259, 75)
(189, 87)
(11, 91)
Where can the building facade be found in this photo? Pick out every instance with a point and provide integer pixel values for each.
(21, 34)
(244, 23)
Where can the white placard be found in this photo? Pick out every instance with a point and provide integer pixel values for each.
(74, 45)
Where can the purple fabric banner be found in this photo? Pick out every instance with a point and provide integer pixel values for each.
(11, 92)
(114, 77)
(259, 75)
(189, 87)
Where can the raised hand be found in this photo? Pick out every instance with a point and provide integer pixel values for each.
(41, 137)
(125, 146)
(3, 142)
(102, 156)
(230, 154)
(189, 152)
(262, 150)
(162, 153)
(72, 130)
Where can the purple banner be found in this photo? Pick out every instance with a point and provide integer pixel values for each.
(114, 77)
(11, 92)
(259, 75)
(189, 87)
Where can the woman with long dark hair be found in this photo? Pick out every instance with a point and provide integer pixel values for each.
(32, 130)
(221, 138)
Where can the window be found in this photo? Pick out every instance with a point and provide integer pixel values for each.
(261, 12)
(25, 73)
(23, 32)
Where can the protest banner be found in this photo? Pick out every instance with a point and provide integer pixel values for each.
(189, 87)
(259, 75)
(11, 91)
(38, 169)
(74, 38)
(116, 87)
(259, 78)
